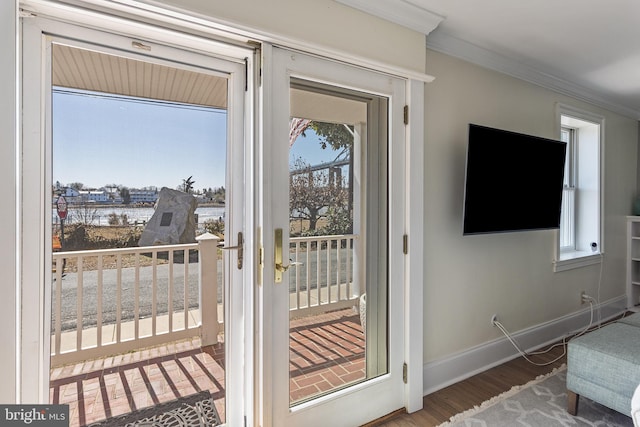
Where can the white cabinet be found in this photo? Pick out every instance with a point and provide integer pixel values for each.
(633, 262)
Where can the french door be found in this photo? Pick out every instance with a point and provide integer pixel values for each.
(333, 221)
(143, 86)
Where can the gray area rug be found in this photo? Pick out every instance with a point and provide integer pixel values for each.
(196, 410)
(540, 403)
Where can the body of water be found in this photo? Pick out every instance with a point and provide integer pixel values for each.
(100, 214)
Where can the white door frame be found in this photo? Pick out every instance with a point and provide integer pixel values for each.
(35, 172)
(376, 396)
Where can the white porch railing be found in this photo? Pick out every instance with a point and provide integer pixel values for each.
(131, 298)
(322, 274)
(113, 301)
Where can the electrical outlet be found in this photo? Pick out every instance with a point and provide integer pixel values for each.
(583, 297)
(494, 319)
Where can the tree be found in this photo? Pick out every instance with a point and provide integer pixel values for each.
(218, 195)
(125, 194)
(323, 194)
(187, 185)
(313, 195)
(84, 212)
(76, 186)
(338, 136)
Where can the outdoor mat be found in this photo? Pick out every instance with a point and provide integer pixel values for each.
(196, 410)
(539, 403)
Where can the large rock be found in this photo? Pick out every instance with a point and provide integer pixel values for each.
(174, 220)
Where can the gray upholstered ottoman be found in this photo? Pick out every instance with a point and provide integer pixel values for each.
(604, 366)
(633, 320)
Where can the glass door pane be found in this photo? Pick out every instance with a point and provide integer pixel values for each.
(337, 247)
(140, 150)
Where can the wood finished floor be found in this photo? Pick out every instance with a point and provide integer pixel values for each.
(438, 407)
(445, 403)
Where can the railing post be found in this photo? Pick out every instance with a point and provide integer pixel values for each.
(208, 274)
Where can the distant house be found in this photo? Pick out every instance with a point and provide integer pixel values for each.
(95, 196)
(70, 193)
(143, 196)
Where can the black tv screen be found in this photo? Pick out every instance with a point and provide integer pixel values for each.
(513, 181)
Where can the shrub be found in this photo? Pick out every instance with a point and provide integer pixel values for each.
(113, 219)
(215, 227)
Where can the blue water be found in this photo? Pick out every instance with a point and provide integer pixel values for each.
(140, 214)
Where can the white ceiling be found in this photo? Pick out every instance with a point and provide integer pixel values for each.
(586, 48)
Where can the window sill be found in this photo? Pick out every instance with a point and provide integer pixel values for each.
(576, 259)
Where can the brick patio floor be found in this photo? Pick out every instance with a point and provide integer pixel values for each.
(326, 353)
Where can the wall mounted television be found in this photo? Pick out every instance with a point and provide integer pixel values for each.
(513, 181)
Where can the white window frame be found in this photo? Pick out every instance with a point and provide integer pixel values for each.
(584, 153)
(567, 224)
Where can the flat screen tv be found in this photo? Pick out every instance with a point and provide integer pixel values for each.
(513, 181)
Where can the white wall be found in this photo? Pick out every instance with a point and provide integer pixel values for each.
(324, 23)
(8, 212)
(472, 277)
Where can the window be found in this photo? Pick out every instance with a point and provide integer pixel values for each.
(567, 223)
(579, 239)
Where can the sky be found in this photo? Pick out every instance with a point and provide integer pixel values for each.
(100, 140)
(307, 147)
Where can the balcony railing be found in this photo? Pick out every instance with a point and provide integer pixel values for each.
(322, 274)
(117, 300)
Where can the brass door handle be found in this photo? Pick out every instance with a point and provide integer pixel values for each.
(239, 247)
(279, 267)
(283, 268)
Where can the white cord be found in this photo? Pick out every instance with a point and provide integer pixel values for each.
(564, 341)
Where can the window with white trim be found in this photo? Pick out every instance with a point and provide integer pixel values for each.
(579, 239)
(567, 222)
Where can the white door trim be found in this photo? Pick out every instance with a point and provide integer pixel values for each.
(414, 298)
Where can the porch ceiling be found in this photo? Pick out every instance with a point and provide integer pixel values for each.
(90, 70)
(94, 71)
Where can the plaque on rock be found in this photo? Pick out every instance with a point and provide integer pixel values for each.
(165, 221)
(173, 221)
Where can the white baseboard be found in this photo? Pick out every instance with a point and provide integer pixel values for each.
(460, 366)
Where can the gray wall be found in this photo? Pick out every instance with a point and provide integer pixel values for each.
(469, 278)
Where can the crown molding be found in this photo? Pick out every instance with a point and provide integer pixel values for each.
(400, 12)
(453, 46)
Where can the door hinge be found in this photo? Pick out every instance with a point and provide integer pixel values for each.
(260, 264)
(406, 114)
(246, 74)
(260, 257)
(405, 372)
(405, 244)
